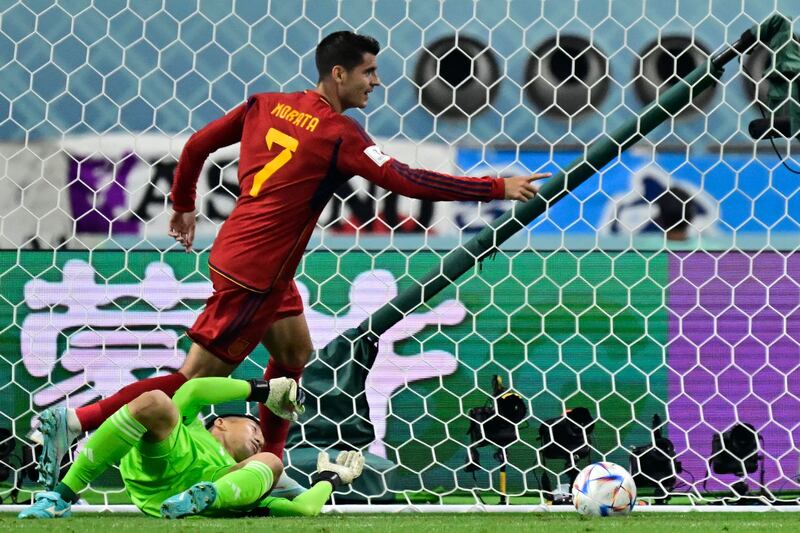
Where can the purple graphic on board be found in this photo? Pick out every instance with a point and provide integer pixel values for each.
(97, 194)
(734, 355)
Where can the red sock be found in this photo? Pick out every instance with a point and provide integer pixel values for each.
(92, 415)
(275, 428)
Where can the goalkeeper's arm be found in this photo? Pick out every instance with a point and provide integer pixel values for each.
(329, 477)
(280, 395)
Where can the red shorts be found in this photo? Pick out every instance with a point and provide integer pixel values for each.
(235, 319)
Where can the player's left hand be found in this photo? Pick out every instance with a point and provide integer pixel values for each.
(182, 227)
(285, 399)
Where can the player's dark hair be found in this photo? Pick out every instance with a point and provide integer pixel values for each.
(343, 48)
(211, 420)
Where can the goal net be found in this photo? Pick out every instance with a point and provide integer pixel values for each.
(650, 318)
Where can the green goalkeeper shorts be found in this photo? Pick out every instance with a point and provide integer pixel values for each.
(154, 471)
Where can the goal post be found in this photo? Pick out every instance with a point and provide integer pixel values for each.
(653, 283)
(597, 156)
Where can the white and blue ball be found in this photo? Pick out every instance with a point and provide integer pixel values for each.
(604, 489)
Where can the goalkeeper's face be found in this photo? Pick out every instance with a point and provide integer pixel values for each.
(357, 84)
(241, 436)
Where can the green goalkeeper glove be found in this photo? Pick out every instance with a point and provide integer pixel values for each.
(282, 396)
(348, 467)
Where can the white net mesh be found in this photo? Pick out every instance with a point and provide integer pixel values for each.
(665, 285)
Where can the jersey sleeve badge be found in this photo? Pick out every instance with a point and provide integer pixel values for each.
(378, 157)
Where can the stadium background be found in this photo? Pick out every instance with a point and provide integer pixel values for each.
(98, 99)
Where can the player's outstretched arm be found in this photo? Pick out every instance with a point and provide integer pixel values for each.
(281, 395)
(329, 477)
(360, 156)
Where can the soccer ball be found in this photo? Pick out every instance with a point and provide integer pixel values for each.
(604, 489)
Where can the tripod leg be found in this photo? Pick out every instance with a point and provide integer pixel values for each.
(503, 498)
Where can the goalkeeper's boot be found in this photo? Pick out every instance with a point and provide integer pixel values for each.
(56, 440)
(192, 501)
(287, 487)
(47, 505)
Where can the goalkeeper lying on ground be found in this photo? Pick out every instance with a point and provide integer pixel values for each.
(173, 466)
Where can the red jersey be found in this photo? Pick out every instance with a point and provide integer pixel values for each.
(295, 152)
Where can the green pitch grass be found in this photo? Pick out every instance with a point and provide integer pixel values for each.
(439, 523)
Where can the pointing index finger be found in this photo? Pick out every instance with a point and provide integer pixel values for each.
(539, 176)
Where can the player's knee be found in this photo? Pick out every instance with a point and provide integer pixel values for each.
(154, 401)
(204, 366)
(304, 353)
(295, 355)
(192, 372)
(201, 363)
(273, 462)
(153, 408)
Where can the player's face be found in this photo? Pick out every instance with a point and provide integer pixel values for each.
(242, 437)
(359, 82)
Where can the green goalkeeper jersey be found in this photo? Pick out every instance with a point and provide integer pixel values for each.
(154, 471)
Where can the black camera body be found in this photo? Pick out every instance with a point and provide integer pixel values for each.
(496, 424)
(567, 437)
(654, 465)
(24, 459)
(735, 451)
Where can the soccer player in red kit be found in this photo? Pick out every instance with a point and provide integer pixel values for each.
(296, 150)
